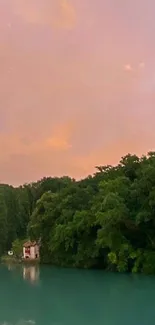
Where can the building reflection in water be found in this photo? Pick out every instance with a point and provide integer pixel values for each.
(21, 322)
(31, 273)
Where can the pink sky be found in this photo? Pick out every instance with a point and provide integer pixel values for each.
(77, 85)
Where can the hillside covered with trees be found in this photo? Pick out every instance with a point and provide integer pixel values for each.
(103, 221)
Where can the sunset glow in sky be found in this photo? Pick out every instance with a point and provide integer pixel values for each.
(77, 85)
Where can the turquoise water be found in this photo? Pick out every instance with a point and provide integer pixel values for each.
(51, 296)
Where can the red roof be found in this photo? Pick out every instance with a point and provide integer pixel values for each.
(30, 243)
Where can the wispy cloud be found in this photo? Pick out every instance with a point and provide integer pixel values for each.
(67, 15)
(101, 75)
(61, 139)
(14, 144)
(56, 13)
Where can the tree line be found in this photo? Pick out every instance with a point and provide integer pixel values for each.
(106, 220)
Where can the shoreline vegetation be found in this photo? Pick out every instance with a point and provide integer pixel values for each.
(105, 221)
(5, 259)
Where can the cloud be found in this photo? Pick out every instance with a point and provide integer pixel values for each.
(58, 143)
(48, 78)
(15, 144)
(56, 13)
(110, 154)
(67, 16)
(127, 67)
(61, 138)
(37, 158)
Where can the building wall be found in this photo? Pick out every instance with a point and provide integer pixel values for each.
(34, 251)
(37, 251)
(25, 253)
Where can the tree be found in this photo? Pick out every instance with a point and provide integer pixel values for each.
(17, 247)
(3, 224)
(106, 220)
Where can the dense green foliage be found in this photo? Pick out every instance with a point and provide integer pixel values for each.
(17, 247)
(104, 221)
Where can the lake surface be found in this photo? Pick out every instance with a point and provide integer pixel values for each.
(51, 296)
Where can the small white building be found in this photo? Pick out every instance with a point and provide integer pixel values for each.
(31, 250)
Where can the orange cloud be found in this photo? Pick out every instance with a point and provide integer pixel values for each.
(67, 15)
(47, 80)
(14, 144)
(58, 143)
(106, 155)
(36, 158)
(61, 138)
(58, 13)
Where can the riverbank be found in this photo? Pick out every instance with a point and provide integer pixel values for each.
(15, 260)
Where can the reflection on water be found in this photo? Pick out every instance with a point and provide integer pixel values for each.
(21, 322)
(31, 273)
(11, 267)
(73, 297)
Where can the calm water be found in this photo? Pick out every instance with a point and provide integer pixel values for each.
(51, 296)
